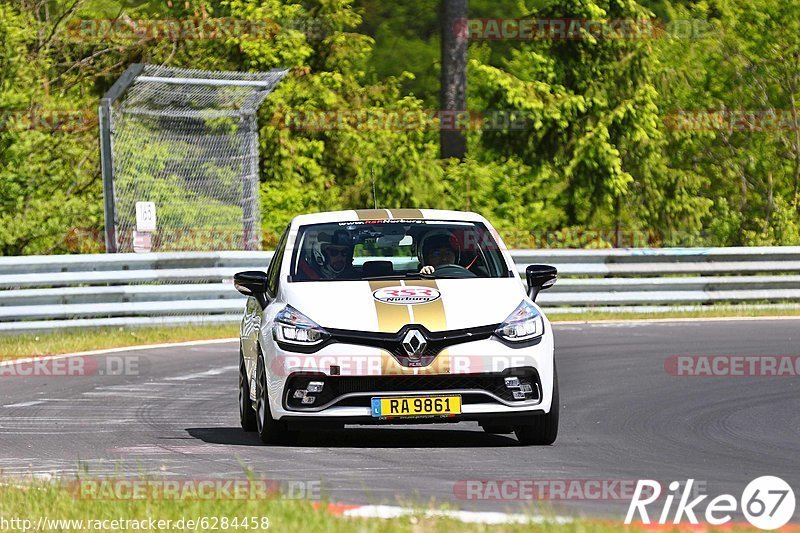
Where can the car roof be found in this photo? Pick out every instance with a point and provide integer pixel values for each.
(353, 215)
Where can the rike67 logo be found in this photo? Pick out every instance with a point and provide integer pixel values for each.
(767, 503)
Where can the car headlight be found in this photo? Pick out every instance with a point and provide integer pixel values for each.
(293, 327)
(524, 324)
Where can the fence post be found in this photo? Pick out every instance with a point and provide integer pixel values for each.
(106, 152)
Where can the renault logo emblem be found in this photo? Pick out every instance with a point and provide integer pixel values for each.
(414, 344)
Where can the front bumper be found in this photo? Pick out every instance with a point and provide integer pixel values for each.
(329, 422)
(353, 374)
(357, 391)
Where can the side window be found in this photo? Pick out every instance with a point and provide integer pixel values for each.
(274, 272)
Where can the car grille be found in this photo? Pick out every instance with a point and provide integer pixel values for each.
(392, 342)
(338, 386)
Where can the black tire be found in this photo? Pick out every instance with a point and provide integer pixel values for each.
(247, 415)
(542, 429)
(271, 431)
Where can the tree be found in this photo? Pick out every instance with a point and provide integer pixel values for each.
(454, 74)
(733, 102)
(593, 116)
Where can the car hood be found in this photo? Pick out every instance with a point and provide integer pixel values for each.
(387, 306)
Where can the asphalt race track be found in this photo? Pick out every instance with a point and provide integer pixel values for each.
(624, 417)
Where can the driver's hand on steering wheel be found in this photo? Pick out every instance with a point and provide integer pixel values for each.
(428, 269)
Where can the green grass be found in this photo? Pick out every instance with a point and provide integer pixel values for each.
(53, 501)
(80, 340)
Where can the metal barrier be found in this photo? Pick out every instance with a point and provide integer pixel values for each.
(57, 292)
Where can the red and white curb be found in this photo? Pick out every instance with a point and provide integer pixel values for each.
(389, 512)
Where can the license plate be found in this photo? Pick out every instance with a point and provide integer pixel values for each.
(416, 406)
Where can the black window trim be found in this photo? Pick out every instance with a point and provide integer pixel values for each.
(273, 273)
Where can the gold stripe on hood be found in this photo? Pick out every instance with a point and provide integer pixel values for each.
(372, 214)
(406, 213)
(431, 315)
(390, 317)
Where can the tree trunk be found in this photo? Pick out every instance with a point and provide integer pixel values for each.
(454, 78)
(770, 203)
(618, 225)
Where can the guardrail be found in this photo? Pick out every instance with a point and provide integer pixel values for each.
(56, 292)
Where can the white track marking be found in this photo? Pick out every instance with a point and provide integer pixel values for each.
(162, 450)
(123, 394)
(26, 404)
(129, 388)
(207, 373)
(12, 362)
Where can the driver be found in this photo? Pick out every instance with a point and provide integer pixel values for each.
(336, 255)
(439, 250)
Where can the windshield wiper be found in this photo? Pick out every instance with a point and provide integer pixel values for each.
(410, 275)
(419, 275)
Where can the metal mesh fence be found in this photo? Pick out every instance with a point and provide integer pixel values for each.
(187, 140)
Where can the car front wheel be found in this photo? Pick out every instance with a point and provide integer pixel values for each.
(271, 431)
(247, 415)
(541, 430)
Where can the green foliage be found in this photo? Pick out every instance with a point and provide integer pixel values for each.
(744, 65)
(46, 171)
(600, 151)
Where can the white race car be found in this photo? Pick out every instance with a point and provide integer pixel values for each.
(392, 316)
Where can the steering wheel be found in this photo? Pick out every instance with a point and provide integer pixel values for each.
(456, 271)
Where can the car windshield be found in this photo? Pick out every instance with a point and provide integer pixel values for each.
(396, 249)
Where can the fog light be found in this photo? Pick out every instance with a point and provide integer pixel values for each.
(299, 394)
(526, 388)
(512, 383)
(518, 395)
(315, 386)
(308, 400)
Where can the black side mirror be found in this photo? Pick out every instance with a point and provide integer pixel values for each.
(252, 284)
(540, 277)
